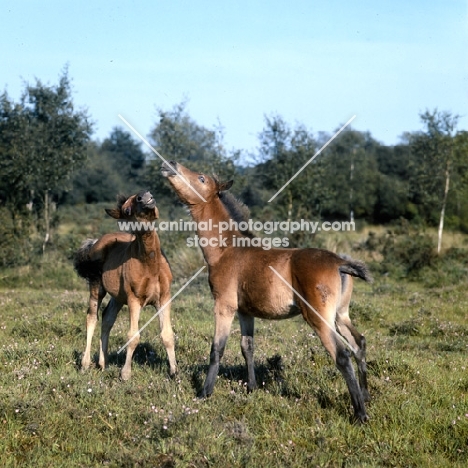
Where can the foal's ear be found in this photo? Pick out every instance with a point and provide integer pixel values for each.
(223, 186)
(114, 212)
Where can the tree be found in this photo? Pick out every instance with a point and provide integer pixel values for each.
(351, 175)
(284, 151)
(433, 163)
(98, 180)
(392, 186)
(176, 136)
(42, 141)
(15, 168)
(115, 166)
(125, 154)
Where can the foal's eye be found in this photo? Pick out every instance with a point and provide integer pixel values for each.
(201, 179)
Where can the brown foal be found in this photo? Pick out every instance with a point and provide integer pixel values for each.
(132, 269)
(271, 284)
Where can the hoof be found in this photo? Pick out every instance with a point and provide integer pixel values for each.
(251, 389)
(202, 395)
(125, 375)
(85, 363)
(361, 419)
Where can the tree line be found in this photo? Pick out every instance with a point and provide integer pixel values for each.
(48, 157)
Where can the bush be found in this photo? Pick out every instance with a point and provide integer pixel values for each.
(446, 269)
(408, 253)
(404, 250)
(15, 246)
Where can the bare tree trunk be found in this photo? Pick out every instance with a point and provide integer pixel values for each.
(351, 176)
(47, 220)
(444, 204)
(30, 204)
(290, 205)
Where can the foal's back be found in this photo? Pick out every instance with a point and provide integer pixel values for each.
(258, 282)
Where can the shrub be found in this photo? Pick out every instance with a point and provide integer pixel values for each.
(15, 246)
(404, 250)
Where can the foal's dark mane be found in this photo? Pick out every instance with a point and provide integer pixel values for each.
(237, 210)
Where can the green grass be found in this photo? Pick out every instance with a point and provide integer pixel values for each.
(52, 414)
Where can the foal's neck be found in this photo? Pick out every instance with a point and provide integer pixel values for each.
(148, 246)
(215, 211)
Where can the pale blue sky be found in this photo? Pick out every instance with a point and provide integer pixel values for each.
(312, 62)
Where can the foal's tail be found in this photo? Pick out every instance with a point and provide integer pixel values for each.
(355, 268)
(90, 270)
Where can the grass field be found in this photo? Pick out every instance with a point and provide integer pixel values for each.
(52, 414)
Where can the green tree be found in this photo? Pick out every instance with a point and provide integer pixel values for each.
(15, 162)
(176, 136)
(392, 191)
(42, 141)
(115, 166)
(284, 151)
(351, 176)
(126, 155)
(98, 180)
(434, 161)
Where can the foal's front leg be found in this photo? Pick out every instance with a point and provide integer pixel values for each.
(133, 337)
(224, 316)
(247, 347)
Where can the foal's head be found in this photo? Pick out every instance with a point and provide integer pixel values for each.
(139, 207)
(193, 188)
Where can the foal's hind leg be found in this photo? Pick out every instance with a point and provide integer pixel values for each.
(344, 365)
(347, 330)
(247, 347)
(224, 316)
(108, 319)
(325, 329)
(358, 342)
(167, 335)
(96, 295)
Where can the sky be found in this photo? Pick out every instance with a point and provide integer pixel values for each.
(314, 63)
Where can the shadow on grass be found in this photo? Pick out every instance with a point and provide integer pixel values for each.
(270, 375)
(144, 355)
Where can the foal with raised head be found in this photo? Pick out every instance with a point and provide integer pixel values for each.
(271, 284)
(132, 269)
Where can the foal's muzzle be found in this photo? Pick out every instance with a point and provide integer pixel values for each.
(169, 169)
(146, 199)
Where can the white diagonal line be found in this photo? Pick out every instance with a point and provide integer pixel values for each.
(146, 142)
(312, 158)
(162, 308)
(313, 310)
